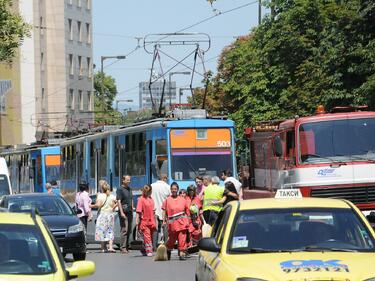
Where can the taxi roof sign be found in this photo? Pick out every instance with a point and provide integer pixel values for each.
(288, 194)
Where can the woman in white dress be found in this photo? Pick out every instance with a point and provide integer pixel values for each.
(105, 223)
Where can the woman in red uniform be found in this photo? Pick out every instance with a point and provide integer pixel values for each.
(146, 219)
(195, 206)
(176, 215)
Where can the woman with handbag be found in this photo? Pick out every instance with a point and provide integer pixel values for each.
(105, 222)
(145, 219)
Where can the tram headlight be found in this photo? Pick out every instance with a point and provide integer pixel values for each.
(76, 228)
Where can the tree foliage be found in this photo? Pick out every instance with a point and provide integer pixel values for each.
(105, 94)
(308, 52)
(12, 31)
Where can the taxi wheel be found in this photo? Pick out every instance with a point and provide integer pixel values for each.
(79, 256)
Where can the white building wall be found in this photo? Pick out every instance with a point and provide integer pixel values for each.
(156, 90)
(27, 75)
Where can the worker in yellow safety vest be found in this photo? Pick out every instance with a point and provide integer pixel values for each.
(212, 193)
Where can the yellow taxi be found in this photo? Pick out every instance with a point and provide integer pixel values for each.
(28, 251)
(288, 239)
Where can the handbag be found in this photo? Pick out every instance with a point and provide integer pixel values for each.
(206, 229)
(98, 213)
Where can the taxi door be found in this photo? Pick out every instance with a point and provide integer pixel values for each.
(213, 260)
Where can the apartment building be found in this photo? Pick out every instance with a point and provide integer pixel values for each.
(156, 90)
(52, 91)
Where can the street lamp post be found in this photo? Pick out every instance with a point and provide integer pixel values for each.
(102, 59)
(170, 84)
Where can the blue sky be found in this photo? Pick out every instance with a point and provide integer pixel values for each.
(116, 23)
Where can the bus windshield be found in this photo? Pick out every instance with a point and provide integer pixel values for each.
(337, 140)
(201, 151)
(4, 185)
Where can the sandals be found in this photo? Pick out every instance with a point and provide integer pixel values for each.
(111, 251)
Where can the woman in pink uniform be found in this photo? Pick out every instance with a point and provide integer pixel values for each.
(176, 214)
(146, 219)
(195, 207)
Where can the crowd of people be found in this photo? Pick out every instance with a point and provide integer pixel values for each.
(164, 213)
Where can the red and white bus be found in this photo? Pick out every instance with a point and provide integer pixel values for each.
(325, 155)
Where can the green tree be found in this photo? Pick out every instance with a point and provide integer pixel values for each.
(309, 52)
(12, 31)
(105, 94)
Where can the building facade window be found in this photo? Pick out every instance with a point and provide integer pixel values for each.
(42, 61)
(43, 100)
(80, 66)
(71, 65)
(79, 3)
(89, 72)
(79, 25)
(88, 34)
(80, 100)
(89, 101)
(88, 4)
(70, 24)
(41, 27)
(71, 99)
(70, 2)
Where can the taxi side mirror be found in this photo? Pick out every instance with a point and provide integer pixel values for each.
(209, 244)
(80, 269)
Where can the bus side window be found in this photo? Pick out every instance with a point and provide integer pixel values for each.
(290, 147)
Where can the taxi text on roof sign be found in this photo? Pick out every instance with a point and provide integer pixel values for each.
(288, 193)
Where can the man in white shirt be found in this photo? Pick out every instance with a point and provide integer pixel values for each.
(160, 191)
(227, 176)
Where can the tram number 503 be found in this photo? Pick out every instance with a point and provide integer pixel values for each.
(222, 143)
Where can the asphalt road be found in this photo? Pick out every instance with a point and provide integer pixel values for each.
(135, 267)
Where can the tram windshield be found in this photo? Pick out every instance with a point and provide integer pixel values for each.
(200, 152)
(4, 185)
(187, 167)
(337, 140)
(52, 168)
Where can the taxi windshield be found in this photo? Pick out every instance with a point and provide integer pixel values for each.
(300, 229)
(23, 251)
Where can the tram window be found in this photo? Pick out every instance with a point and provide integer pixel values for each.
(92, 160)
(117, 151)
(162, 156)
(103, 158)
(39, 170)
(135, 154)
(80, 159)
(134, 142)
(127, 143)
